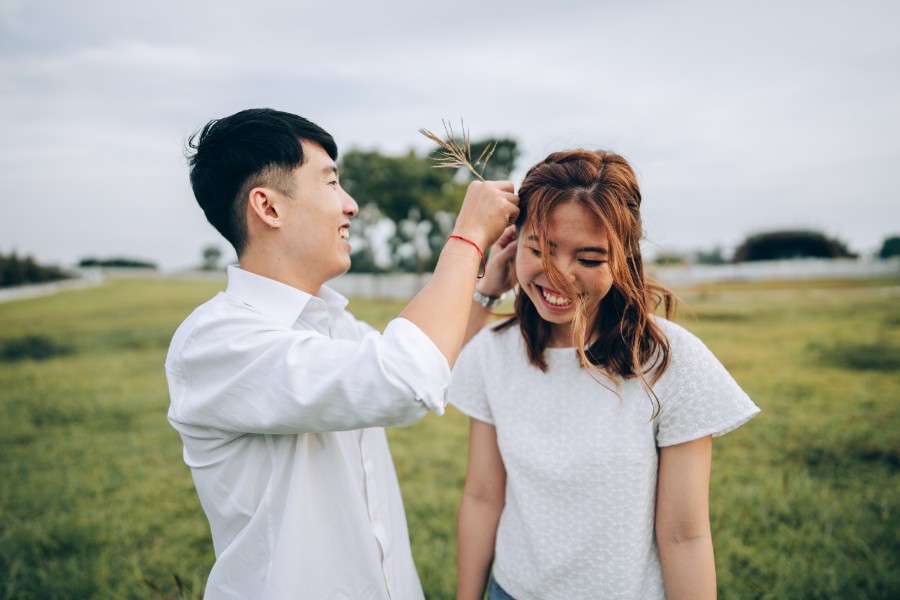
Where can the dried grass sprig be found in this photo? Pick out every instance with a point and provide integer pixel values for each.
(456, 153)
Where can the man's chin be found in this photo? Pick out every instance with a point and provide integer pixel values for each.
(343, 271)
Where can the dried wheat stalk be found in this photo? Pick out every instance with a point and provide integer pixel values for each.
(455, 154)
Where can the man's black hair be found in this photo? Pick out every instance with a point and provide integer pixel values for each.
(251, 148)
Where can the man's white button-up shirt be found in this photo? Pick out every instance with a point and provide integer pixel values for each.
(279, 397)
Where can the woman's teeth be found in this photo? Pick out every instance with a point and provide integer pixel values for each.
(344, 233)
(554, 298)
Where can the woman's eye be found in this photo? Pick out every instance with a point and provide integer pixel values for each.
(590, 263)
(333, 183)
(535, 251)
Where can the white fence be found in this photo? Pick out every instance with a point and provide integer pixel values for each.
(804, 268)
(390, 286)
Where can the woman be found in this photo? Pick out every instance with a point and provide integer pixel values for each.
(590, 441)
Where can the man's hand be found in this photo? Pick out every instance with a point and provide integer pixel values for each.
(488, 209)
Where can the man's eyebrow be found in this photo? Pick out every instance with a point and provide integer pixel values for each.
(597, 249)
(330, 170)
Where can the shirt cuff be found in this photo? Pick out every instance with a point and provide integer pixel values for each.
(423, 367)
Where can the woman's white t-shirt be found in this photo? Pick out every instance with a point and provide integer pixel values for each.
(581, 461)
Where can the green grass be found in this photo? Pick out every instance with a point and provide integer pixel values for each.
(805, 498)
(95, 498)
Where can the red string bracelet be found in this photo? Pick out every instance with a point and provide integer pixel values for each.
(480, 253)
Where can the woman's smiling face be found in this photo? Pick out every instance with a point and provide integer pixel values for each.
(579, 248)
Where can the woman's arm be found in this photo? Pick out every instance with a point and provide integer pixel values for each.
(682, 520)
(479, 513)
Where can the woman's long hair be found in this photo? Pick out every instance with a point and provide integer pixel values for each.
(626, 340)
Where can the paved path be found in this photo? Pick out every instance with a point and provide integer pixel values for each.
(21, 292)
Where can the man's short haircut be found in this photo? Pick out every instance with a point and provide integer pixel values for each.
(252, 148)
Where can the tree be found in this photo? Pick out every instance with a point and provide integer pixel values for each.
(669, 259)
(890, 247)
(397, 184)
(710, 257)
(406, 190)
(15, 270)
(419, 199)
(211, 256)
(119, 262)
(778, 245)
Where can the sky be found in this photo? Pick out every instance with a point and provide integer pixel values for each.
(738, 118)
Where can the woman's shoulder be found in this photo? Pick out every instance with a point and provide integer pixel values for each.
(677, 335)
(689, 356)
(687, 352)
(698, 395)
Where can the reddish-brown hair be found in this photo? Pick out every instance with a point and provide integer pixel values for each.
(627, 341)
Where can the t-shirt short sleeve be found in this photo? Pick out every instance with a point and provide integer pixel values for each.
(697, 395)
(467, 385)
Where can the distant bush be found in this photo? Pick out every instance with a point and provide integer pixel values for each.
(669, 259)
(211, 256)
(35, 347)
(890, 247)
(116, 263)
(777, 245)
(710, 257)
(18, 271)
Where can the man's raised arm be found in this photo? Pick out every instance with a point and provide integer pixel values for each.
(441, 309)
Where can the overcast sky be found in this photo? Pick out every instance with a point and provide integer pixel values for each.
(738, 118)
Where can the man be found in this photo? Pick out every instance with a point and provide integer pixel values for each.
(279, 394)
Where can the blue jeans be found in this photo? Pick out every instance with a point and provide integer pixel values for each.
(495, 592)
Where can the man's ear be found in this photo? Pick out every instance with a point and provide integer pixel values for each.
(264, 206)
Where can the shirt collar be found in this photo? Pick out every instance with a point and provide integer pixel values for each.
(276, 299)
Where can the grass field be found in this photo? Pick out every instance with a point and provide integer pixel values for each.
(95, 501)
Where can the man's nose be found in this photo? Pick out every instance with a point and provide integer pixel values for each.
(351, 208)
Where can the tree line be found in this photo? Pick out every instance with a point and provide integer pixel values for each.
(19, 270)
(25, 270)
(407, 207)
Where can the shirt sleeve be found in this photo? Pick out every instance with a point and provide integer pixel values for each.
(245, 374)
(698, 397)
(467, 385)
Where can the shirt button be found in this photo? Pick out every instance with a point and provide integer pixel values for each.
(366, 456)
(375, 515)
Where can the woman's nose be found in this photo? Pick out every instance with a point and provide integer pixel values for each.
(567, 269)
